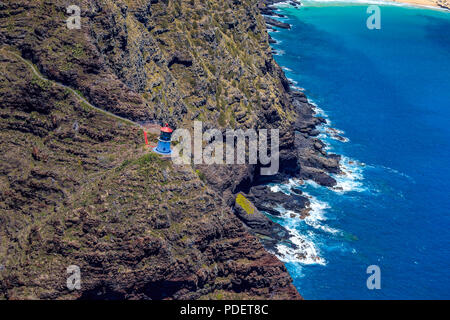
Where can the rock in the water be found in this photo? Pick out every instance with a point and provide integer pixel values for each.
(269, 232)
(277, 23)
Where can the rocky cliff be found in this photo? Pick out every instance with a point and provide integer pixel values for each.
(79, 188)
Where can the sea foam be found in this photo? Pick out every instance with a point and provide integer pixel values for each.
(365, 2)
(284, 187)
(305, 253)
(351, 177)
(316, 215)
(317, 208)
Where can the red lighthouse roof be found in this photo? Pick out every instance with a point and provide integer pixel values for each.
(166, 128)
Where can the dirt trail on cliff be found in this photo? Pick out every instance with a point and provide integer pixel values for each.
(40, 76)
(90, 196)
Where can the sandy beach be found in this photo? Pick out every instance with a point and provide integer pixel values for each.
(442, 4)
(429, 3)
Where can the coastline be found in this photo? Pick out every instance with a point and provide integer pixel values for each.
(424, 4)
(317, 166)
(329, 204)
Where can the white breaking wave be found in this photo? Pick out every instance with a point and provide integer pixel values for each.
(317, 215)
(379, 2)
(316, 208)
(275, 188)
(311, 101)
(335, 134)
(306, 2)
(305, 253)
(298, 88)
(327, 131)
(284, 187)
(283, 4)
(292, 81)
(287, 214)
(318, 111)
(351, 177)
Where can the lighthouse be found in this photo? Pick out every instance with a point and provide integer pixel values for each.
(165, 136)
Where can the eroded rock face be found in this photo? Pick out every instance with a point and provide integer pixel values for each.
(276, 23)
(269, 232)
(151, 60)
(76, 185)
(266, 200)
(78, 188)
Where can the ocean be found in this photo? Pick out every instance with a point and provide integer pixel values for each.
(388, 92)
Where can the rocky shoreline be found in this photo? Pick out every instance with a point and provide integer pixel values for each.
(308, 150)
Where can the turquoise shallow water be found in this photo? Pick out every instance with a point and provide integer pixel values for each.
(388, 90)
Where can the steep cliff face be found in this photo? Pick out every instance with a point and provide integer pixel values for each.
(78, 187)
(161, 60)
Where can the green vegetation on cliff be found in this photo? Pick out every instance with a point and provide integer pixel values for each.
(245, 204)
(77, 185)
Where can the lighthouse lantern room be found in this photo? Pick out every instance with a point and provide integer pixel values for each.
(165, 136)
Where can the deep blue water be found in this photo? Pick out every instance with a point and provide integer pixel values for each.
(389, 91)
